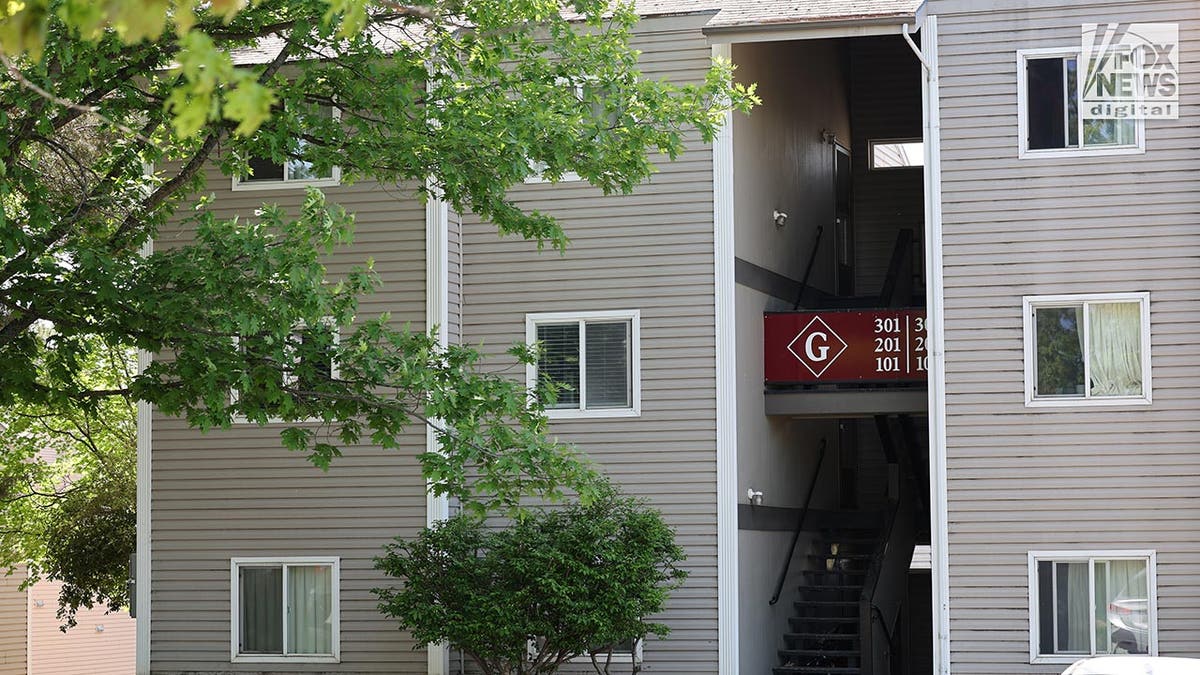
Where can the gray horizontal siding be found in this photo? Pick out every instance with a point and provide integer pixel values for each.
(236, 492)
(650, 251)
(1021, 479)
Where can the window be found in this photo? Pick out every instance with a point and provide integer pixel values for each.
(1092, 349)
(584, 89)
(593, 358)
(284, 609)
(898, 154)
(1049, 107)
(1091, 603)
(307, 359)
(265, 173)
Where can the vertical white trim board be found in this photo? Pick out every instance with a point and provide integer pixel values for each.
(936, 323)
(142, 556)
(726, 364)
(437, 313)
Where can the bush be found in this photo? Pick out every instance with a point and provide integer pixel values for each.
(574, 581)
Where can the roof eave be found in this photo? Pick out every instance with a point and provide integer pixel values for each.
(811, 30)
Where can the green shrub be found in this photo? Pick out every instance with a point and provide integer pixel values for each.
(574, 581)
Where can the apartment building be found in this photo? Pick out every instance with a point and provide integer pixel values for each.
(31, 643)
(904, 357)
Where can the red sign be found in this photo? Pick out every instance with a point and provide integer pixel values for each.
(857, 346)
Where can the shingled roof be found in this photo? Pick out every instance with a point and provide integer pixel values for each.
(749, 13)
(727, 15)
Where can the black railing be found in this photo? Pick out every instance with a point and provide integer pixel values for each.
(885, 589)
(812, 259)
(787, 561)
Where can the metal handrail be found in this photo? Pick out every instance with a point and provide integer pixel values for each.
(812, 258)
(787, 562)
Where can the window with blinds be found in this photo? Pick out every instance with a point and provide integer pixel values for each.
(588, 363)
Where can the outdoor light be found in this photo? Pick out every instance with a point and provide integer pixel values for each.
(754, 496)
(780, 218)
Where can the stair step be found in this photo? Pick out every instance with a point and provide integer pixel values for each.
(839, 572)
(850, 638)
(817, 669)
(849, 620)
(830, 588)
(828, 653)
(840, 556)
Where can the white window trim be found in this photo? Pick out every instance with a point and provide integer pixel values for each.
(1031, 302)
(1149, 555)
(1023, 151)
(891, 141)
(633, 316)
(235, 610)
(536, 178)
(289, 378)
(334, 179)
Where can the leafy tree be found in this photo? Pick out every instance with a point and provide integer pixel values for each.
(472, 94)
(67, 490)
(557, 584)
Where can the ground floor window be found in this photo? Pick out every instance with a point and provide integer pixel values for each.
(285, 609)
(1089, 603)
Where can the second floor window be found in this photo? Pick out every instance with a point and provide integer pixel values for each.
(592, 361)
(1052, 116)
(1087, 349)
(265, 172)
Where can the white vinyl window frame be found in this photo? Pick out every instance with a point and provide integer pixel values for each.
(1090, 557)
(1031, 303)
(235, 613)
(536, 177)
(634, 317)
(290, 378)
(333, 180)
(1023, 151)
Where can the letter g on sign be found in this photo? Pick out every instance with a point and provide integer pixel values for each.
(822, 352)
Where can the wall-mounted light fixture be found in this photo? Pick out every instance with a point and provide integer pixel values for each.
(780, 218)
(755, 497)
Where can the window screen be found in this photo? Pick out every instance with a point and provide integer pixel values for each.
(1052, 114)
(588, 362)
(1089, 349)
(1093, 606)
(558, 362)
(608, 383)
(285, 610)
(262, 610)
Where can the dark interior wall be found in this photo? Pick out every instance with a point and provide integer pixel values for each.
(885, 103)
(920, 623)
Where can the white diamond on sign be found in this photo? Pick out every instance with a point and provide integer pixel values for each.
(817, 346)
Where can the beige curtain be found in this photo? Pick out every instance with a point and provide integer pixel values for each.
(310, 609)
(1077, 633)
(1115, 358)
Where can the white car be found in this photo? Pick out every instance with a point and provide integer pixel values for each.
(1134, 665)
